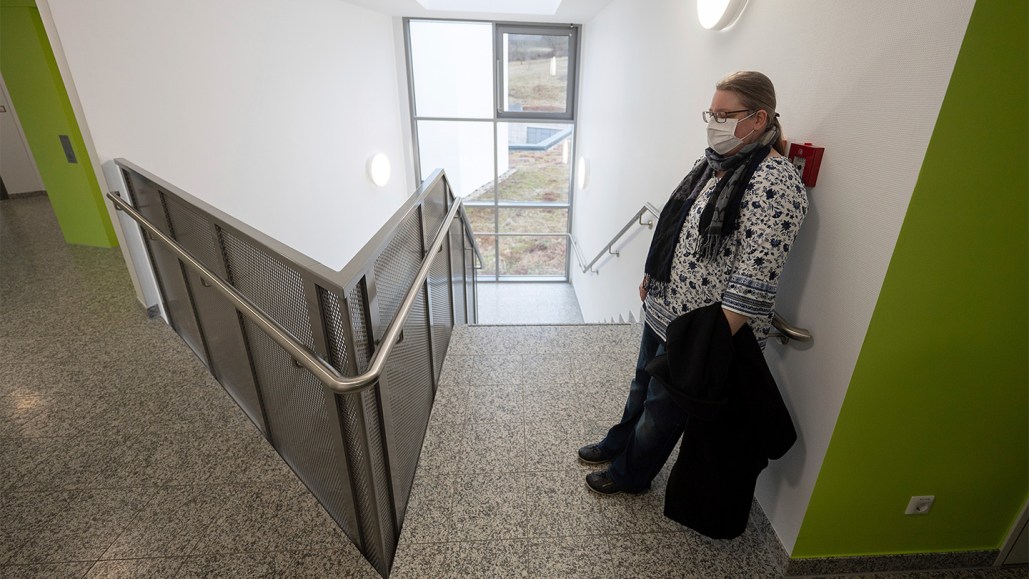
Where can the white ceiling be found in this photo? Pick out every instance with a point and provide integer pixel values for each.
(570, 11)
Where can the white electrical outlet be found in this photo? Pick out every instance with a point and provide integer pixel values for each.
(920, 505)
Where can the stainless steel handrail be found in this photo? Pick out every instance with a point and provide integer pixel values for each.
(306, 357)
(637, 219)
(786, 331)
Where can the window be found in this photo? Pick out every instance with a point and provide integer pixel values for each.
(534, 74)
(493, 105)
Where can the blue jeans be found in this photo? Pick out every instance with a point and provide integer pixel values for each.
(650, 427)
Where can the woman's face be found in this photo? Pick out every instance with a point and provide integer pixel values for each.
(751, 124)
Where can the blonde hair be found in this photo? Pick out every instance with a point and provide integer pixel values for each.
(757, 94)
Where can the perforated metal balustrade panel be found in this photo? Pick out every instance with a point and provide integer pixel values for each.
(196, 234)
(435, 208)
(434, 211)
(302, 418)
(361, 429)
(220, 323)
(275, 287)
(149, 200)
(457, 273)
(440, 303)
(407, 388)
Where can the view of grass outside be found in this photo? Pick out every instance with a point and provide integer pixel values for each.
(537, 72)
(534, 176)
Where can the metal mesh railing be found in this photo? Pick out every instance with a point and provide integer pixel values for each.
(341, 383)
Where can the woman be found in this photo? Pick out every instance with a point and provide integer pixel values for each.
(723, 236)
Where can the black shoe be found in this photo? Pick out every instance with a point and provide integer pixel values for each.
(591, 454)
(601, 482)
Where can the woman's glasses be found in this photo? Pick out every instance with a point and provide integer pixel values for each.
(720, 117)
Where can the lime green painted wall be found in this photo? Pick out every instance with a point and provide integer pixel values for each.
(939, 400)
(39, 96)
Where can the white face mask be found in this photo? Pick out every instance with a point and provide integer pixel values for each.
(722, 136)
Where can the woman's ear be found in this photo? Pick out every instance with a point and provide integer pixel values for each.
(762, 118)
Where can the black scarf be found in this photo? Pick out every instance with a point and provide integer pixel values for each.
(720, 215)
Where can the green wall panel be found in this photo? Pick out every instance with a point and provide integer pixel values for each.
(39, 96)
(939, 400)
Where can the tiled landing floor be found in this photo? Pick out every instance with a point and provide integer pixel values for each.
(120, 456)
(499, 492)
(527, 303)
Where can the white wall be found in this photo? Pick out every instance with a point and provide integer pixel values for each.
(266, 109)
(863, 79)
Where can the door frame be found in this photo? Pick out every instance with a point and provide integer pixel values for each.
(21, 136)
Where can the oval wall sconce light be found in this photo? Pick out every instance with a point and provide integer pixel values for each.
(379, 169)
(719, 14)
(582, 173)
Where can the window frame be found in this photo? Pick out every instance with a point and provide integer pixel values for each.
(570, 30)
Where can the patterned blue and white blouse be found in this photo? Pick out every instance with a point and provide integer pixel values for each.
(745, 276)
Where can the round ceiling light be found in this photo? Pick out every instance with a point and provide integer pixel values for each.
(719, 14)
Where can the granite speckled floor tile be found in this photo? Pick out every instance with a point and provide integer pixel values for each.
(547, 369)
(229, 565)
(91, 521)
(493, 447)
(263, 518)
(497, 403)
(662, 555)
(32, 510)
(453, 403)
(310, 563)
(344, 563)
(47, 377)
(11, 540)
(557, 403)
(171, 523)
(427, 521)
(550, 445)
(489, 560)
(149, 568)
(643, 513)
(71, 570)
(573, 558)
(73, 415)
(18, 410)
(488, 507)
(558, 505)
(593, 369)
(482, 370)
(422, 560)
(71, 463)
(443, 448)
(603, 401)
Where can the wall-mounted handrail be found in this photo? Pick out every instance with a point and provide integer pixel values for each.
(306, 357)
(637, 219)
(786, 331)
